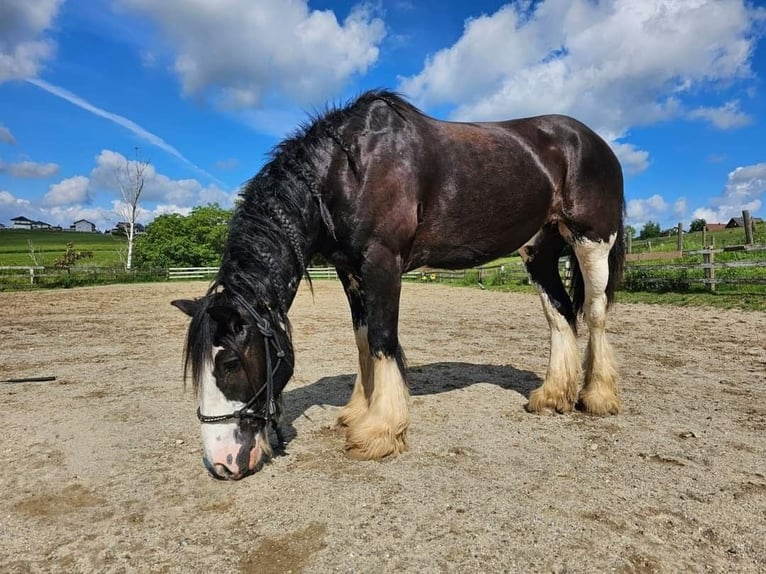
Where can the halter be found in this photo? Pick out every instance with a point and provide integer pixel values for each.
(268, 411)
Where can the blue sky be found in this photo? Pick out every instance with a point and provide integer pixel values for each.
(204, 88)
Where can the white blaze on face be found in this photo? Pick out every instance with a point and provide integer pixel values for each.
(221, 442)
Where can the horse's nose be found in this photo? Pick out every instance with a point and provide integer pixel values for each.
(222, 472)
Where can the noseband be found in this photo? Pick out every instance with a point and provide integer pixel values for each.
(268, 412)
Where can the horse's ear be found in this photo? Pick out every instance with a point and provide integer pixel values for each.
(188, 306)
(226, 315)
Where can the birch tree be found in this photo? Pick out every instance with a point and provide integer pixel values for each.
(130, 179)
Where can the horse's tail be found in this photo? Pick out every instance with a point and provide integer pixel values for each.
(616, 267)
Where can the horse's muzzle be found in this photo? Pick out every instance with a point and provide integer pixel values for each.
(223, 466)
(232, 451)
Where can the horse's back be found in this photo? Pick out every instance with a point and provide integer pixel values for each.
(491, 186)
(452, 194)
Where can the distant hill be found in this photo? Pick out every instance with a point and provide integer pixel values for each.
(50, 245)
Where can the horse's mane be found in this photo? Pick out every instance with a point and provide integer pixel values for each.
(277, 209)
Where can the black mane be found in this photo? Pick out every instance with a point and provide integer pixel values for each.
(282, 210)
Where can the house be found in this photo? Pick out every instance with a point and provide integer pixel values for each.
(715, 226)
(83, 225)
(123, 226)
(25, 223)
(740, 221)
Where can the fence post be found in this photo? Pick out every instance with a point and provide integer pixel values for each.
(31, 275)
(748, 223)
(680, 237)
(707, 260)
(704, 237)
(629, 242)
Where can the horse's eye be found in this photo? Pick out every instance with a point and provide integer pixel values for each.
(231, 365)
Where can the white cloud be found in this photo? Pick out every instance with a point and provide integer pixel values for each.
(6, 136)
(613, 64)
(724, 117)
(655, 208)
(639, 211)
(73, 190)
(244, 53)
(12, 206)
(8, 199)
(22, 47)
(66, 215)
(157, 187)
(744, 189)
(633, 160)
(29, 169)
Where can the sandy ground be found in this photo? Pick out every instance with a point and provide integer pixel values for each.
(102, 469)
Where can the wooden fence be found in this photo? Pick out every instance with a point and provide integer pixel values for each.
(711, 270)
(21, 272)
(707, 272)
(30, 276)
(191, 272)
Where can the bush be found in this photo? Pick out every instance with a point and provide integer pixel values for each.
(657, 281)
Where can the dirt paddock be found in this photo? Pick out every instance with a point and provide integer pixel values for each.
(102, 469)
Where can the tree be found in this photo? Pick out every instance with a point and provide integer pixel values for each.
(130, 179)
(630, 230)
(174, 240)
(650, 230)
(70, 257)
(698, 225)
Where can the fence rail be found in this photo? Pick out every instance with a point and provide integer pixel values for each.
(191, 272)
(20, 271)
(708, 271)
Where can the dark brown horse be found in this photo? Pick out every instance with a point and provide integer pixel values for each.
(378, 188)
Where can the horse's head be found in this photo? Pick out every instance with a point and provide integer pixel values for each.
(240, 361)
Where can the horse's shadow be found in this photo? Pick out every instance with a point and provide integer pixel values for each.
(423, 380)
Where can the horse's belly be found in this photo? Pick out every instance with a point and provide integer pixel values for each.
(469, 238)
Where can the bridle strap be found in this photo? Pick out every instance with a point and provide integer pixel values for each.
(248, 411)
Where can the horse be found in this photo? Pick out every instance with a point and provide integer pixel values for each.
(378, 188)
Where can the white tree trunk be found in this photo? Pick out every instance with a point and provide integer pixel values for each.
(131, 235)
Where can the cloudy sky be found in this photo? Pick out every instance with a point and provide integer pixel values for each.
(204, 88)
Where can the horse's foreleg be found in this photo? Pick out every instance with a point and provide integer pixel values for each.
(599, 394)
(381, 431)
(360, 397)
(559, 390)
(358, 404)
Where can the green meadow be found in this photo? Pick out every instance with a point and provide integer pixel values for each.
(17, 245)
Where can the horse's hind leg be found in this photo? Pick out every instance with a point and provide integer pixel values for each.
(559, 390)
(599, 394)
(357, 406)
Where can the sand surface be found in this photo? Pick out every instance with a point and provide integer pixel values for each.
(102, 469)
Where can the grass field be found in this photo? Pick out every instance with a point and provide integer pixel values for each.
(692, 241)
(16, 245)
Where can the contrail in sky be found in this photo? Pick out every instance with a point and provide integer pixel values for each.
(122, 121)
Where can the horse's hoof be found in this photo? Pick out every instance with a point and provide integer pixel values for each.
(599, 404)
(541, 401)
(374, 444)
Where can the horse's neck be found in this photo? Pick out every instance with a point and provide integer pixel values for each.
(277, 265)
